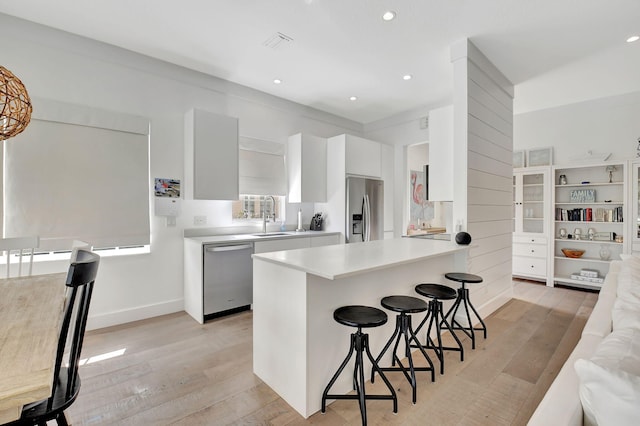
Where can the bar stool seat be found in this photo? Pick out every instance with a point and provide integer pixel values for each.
(404, 305)
(437, 293)
(463, 299)
(360, 317)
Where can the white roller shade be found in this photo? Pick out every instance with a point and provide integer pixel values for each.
(262, 173)
(67, 182)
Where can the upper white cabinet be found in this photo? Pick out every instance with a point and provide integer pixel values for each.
(363, 157)
(387, 176)
(307, 168)
(211, 156)
(634, 224)
(441, 154)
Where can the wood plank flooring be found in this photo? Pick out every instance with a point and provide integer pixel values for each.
(176, 371)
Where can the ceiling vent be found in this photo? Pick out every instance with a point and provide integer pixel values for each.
(277, 41)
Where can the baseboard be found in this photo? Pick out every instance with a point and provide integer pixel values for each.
(134, 314)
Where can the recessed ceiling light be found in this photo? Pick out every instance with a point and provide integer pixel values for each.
(407, 77)
(389, 15)
(633, 38)
(353, 98)
(277, 81)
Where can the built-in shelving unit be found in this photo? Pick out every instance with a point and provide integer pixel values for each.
(589, 208)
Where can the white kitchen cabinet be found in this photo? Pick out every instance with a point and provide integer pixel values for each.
(531, 205)
(387, 176)
(440, 179)
(211, 156)
(307, 168)
(363, 157)
(633, 225)
(325, 240)
(589, 198)
(281, 244)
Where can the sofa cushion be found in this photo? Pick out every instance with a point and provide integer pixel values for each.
(610, 380)
(609, 396)
(625, 315)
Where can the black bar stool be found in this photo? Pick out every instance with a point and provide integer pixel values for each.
(436, 294)
(463, 298)
(360, 317)
(404, 305)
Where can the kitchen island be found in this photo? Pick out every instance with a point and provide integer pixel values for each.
(297, 346)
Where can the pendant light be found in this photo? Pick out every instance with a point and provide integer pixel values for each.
(15, 105)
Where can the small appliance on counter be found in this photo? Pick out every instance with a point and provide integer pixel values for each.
(316, 222)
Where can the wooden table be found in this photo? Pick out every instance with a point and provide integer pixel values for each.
(31, 311)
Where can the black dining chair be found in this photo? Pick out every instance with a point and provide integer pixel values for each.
(66, 381)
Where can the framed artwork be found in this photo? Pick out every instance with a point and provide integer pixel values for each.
(540, 157)
(518, 159)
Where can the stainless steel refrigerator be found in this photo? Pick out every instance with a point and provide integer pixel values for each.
(365, 209)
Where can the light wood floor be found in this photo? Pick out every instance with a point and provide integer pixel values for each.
(176, 371)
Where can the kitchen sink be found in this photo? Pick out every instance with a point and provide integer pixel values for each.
(272, 234)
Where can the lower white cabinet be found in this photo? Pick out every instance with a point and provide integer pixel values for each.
(530, 256)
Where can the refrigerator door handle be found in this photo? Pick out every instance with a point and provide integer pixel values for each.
(366, 219)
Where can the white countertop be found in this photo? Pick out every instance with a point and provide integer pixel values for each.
(343, 260)
(258, 236)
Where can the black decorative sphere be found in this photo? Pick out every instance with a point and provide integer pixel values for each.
(463, 238)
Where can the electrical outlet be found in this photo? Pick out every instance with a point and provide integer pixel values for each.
(199, 220)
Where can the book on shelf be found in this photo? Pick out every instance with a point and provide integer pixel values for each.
(588, 215)
(597, 280)
(589, 272)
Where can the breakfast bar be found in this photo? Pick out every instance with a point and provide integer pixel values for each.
(297, 346)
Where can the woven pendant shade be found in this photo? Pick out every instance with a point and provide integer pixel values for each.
(15, 105)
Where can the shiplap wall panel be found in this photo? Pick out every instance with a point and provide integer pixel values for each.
(489, 148)
(490, 196)
(485, 229)
(481, 78)
(479, 179)
(492, 104)
(491, 118)
(490, 244)
(485, 163)
(486, 130)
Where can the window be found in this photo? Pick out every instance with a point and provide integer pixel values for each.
(77, 173)
(252, 207)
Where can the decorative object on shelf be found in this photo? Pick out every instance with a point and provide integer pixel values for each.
(611, 169)
(605, 253)
(604, 236)
(590, 157)
(619, 239)
(582, 195)
(591, 233)
(563, 233)
(518, 159)
(562, 180)
(577, 233)
(572, 253)
(540, 157)
(15, 105)
(463, 238)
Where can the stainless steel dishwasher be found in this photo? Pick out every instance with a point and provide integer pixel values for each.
(228, 278)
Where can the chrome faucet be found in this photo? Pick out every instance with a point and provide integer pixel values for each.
(265, 216)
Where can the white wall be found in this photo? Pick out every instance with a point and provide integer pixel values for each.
(605, 125)
(59, 66)
(483, 142)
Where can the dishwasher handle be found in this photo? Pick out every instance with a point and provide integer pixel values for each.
(228, 248)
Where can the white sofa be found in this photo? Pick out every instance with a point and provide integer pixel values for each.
(600, 381)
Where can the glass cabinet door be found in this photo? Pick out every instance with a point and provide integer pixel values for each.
(530, 201)
(635, 204)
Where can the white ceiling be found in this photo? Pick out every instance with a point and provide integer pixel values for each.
(342, 48)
